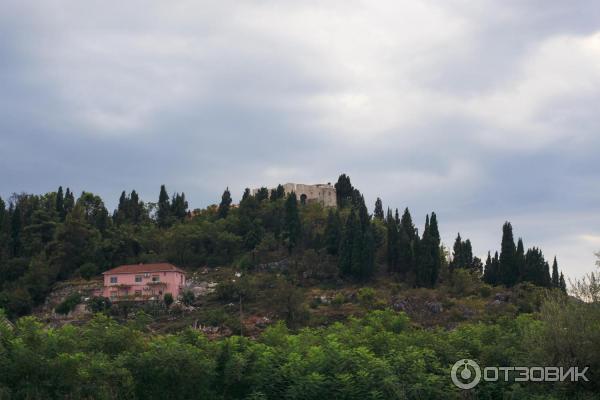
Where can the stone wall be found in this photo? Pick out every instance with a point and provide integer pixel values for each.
(323, 193)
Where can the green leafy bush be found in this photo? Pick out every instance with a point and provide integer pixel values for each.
(68, 304)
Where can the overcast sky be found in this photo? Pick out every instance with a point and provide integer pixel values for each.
(483, 111)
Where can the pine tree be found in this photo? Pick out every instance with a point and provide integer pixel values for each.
(225, 204)
(163, 214)
(292, 224)
(344, 191)
(333, 232)
(508, 273)
(555, 276)
(378, 212)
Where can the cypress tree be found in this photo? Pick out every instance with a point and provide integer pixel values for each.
(349, 233)
(393, 243)
(225, 204)
(378, 212)
(333, 232)
(246, 194)
(561, 283)
(520, 260)
(262, 194)
(163, 213)
(69, 202)
(424, 263)
(457, 254)
(536, 268)
(60, 203)
(508, 274)
(343, 191)
(408, 225)
(555, 277)
(292, 224)
(435, 238)
(490, 273)
(179, 206)
(277, 193)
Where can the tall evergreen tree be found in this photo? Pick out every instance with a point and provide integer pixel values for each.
(520, 260)
(277, 193)
(333, 232)
(292, 224)
(562, 284)
(393, 243)
(344, 191)
(555, 276)
(179, 206)
(225, 204)
(60, 203)
(436, 239)
(163, 214)
(457, 254)
(490, 273)
(508, 273)
(262, 194)
(408, 225)
(537, 270)
(351, 230)
(378, 213)
(69, 202)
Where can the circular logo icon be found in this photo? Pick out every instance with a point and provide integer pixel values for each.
(465, 374)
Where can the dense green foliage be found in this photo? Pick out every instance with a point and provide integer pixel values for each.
(52, 237)
(379, 356)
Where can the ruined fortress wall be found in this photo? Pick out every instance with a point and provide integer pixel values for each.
(322, 193)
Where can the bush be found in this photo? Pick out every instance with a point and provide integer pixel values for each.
(366, 297)
(188, 297)
(88, 270)
(168, 299)
(99, 304)
(68, 304)
(338, 300)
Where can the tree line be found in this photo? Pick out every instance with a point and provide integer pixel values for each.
(56, 236)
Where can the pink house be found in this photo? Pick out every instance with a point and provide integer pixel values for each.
(143, 282)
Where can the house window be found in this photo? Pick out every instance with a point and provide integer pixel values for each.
(113, 279)
(155, 278)
(138, 278)
(113, 295)
(138, 293)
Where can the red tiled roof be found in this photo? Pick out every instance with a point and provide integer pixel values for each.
(141, 268)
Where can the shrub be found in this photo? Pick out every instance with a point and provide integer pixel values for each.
(366, 297)
(168, 299)
(88, 270)
(68, 304)
(99, 304)
(338, 300)
(188, 297)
